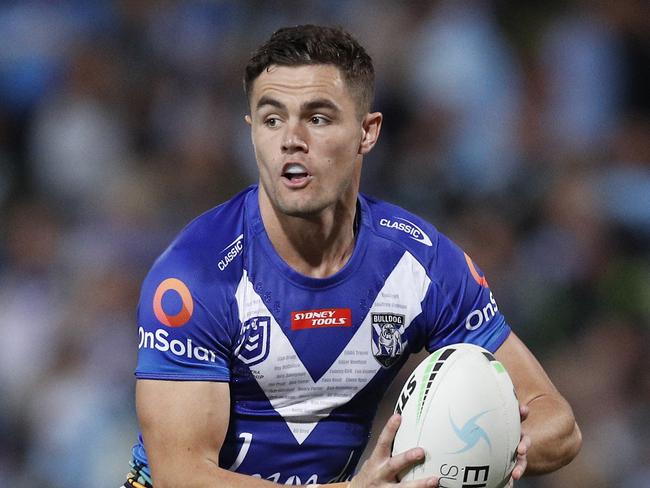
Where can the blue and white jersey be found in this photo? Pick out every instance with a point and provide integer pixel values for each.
(308, 360)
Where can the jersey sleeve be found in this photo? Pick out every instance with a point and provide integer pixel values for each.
(462, 305)
(182, 321)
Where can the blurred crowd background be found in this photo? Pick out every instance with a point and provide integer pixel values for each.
(520, 129)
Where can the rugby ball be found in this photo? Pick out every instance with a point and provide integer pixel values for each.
(460, 406)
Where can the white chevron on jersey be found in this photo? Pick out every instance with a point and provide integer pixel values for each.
(292, 392)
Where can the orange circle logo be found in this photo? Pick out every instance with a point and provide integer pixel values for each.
(472, 269)
(187, 308)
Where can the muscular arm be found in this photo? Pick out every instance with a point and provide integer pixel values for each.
(183, 425)
(550, 424)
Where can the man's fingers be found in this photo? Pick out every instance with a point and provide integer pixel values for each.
(524, 445)
(401, 461)
(522, 449)
(523, 411)
(522, 460)
(390, 466)
(385, 440)
(423, 483)
(518, 472)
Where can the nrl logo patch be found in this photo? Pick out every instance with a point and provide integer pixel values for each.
(254, 340)
(387, 330)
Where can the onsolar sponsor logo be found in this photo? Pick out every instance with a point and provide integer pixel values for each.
(316, 319)
(413, 230)
(481, 316)
(187, 303)
(159, 340)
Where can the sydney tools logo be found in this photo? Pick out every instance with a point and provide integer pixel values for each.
(315, 319)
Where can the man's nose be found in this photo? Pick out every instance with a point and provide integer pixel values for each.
(295, 138)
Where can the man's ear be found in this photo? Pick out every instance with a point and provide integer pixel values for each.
(370, 128)
(248, 119)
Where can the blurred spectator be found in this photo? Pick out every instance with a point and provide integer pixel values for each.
(581, 55)
(624, 183)
(79, 138)
(600, 373)
(81, 414)
(466, 73)
(32, 300)
(30, 293)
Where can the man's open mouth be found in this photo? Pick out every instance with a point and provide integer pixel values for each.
(294, 171)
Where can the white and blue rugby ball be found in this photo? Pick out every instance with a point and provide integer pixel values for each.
(459, 405)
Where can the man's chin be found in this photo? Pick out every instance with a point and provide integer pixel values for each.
(300, 211)
(305, 208)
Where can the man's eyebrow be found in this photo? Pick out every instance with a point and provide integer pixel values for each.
(318, 104)
(265, 100)
(312, 105)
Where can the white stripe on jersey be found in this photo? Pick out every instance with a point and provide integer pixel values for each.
(296, 397)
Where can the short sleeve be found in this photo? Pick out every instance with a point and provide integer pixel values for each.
(182, 335)
(460, 304)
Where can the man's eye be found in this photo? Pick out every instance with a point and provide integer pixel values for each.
(271, 122)
(318, 120)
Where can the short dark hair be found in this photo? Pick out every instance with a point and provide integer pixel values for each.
(314, 44)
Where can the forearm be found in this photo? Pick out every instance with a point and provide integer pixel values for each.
(555, 436)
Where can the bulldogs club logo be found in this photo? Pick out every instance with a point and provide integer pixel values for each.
(387, 330)
(254, 340)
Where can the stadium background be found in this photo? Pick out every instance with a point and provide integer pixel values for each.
(521, 129)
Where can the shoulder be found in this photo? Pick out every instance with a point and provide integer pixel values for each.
(459, 305)
(404, 228)
(202, 253)
(436, 252)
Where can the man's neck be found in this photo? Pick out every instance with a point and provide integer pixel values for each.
(317, 246)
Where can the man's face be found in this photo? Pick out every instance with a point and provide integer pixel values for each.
(308, 138)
